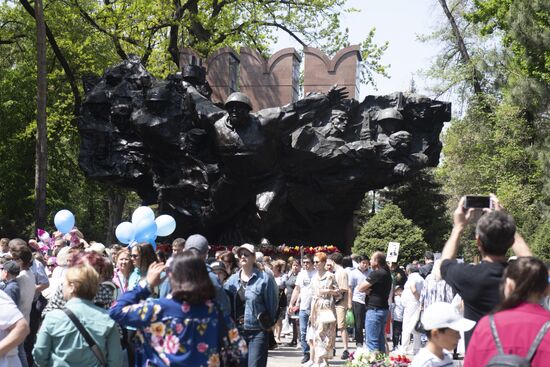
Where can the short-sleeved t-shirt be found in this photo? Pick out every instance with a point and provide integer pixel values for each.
(478, 285)
(303, 280)
(381, 282)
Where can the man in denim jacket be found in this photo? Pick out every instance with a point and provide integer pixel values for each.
(254, 295)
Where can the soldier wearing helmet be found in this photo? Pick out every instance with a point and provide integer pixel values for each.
(238, 107)
(249, 146)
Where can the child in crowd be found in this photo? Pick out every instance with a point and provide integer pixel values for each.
(397, 317)
(442, 324)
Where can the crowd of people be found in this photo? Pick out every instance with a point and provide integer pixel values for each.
(82, 304)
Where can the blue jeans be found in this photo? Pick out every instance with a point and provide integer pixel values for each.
(375, 325)
(304, 318)
(256, 341)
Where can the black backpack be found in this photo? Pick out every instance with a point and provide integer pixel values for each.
(513, 360)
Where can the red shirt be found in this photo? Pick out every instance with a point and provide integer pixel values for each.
(517, 329)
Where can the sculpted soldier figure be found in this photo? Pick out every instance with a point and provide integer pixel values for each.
(249, 147)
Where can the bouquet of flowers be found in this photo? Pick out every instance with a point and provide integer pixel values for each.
(363, 358)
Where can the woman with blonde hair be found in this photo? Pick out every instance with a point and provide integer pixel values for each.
(123, 270)
(59, 341)
(322, 321)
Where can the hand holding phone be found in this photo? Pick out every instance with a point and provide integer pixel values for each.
(477, 202)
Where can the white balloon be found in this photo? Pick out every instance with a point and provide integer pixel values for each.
(141, 213)
(166, 225)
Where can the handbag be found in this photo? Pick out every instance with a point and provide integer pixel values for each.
(87, 337)
(228, 358)
(418, 327)
(326, 316)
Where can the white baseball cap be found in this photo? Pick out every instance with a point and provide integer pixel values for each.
(441, 315)
(248, 247)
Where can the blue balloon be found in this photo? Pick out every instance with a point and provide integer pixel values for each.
(141, 213)
(166, 224)
(64, 221)
(146, 231)
(125, 232)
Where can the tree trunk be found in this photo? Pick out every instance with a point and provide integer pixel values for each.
(462, 47)
(41, 159)
(116, 200)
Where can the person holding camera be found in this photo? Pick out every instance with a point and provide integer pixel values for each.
(478, 285)
(255, 301)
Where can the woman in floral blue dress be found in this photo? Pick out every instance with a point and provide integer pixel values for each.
(182, 329)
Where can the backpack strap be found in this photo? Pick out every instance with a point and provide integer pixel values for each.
(538, 340)
(495, 334)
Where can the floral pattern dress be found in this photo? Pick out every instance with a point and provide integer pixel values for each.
(172, 333)
(322, 334)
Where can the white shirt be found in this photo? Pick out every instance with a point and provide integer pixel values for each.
(9, 316)
(303, 280)
(407, 295)
(425, 358)
(27, 288)
(357, 277)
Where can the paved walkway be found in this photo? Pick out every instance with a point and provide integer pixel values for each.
(291, 356)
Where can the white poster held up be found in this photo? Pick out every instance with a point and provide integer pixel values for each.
(393, 252)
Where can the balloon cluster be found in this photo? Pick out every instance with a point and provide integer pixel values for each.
(144, 227)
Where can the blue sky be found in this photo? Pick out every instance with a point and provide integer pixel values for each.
(399, 22)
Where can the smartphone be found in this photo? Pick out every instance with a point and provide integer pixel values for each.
(477, 202)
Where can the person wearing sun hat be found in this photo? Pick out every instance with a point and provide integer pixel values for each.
(254, 300)
(442, 324)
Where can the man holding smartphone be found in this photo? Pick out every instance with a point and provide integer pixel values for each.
(478, 285)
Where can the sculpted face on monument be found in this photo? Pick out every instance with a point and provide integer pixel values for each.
(290, 173)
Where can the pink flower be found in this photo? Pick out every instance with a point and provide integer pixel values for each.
(202, 347)
(185, 307)
(179, 328)
(172, 344)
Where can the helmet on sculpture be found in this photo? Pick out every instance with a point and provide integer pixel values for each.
(160, 92)
(194, 74)
(389, 114)
(238, 97)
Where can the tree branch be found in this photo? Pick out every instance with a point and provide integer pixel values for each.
(465, 56)
(11, 40)
(94, 24)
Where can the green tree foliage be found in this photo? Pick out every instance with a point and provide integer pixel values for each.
(489, 151)
(422, 200)
(541, 241)
(389, 225)
(525, 29)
